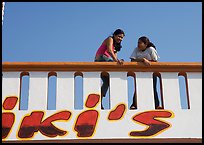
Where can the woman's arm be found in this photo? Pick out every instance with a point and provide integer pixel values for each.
(109, 45)
(119, 61)
(116, 54)
(137, 59)
(144, 60)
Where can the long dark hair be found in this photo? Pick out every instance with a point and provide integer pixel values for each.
(146, 41)
(117, 46)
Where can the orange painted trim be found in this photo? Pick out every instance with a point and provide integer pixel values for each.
(151, 140)
(103, 66)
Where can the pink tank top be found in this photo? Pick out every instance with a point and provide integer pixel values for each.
(102, 50)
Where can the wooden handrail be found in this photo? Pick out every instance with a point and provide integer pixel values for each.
(103, 66)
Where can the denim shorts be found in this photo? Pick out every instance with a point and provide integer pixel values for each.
(102, 58)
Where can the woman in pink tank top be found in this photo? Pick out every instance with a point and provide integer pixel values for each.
(108, 52)
(110, 46)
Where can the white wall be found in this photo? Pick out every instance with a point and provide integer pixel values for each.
(184, 123)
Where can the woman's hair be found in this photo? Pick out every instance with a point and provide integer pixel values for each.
(146, 41)
(117, 46)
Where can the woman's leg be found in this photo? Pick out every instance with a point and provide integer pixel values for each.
(133, 106)
(156, 98)
(104, 87)
(105, 79)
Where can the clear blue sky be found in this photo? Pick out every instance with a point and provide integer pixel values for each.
(72, 31)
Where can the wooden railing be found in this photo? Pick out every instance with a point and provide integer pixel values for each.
(103, 66)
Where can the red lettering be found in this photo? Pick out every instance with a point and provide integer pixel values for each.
(92, 100)
(8, 118)
(86, 122)
(117, 113)
(33, 123)
(10, 102)
(7, 123)
(154, 125)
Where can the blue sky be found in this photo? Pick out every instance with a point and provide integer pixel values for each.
(72, 31)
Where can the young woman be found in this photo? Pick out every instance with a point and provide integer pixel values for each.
(146, 52)
(107, 52)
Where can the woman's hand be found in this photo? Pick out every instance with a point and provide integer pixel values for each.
(120, 61)
(146, 62)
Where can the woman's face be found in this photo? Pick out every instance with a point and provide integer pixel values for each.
(141, 45)
(118, 38)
